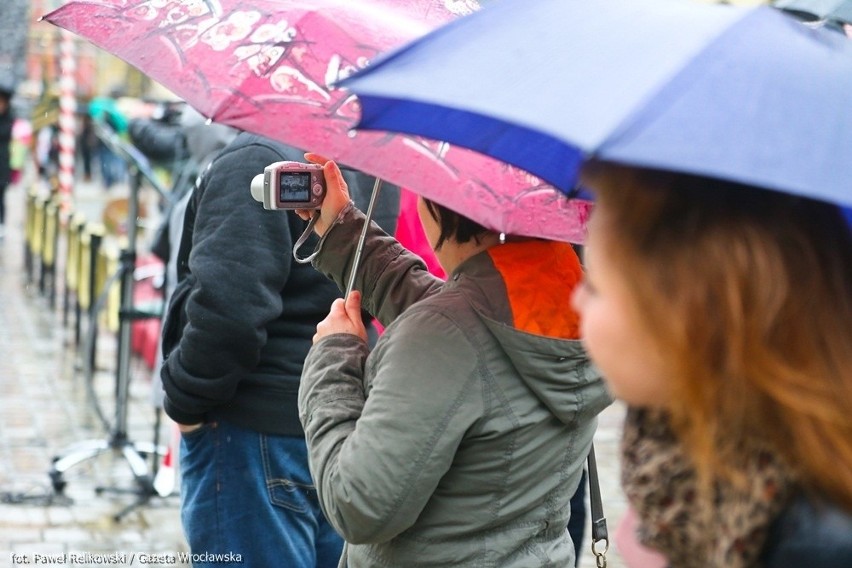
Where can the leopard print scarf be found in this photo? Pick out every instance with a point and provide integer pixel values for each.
(661, 486)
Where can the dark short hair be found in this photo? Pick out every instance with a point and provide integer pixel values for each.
(453, 225)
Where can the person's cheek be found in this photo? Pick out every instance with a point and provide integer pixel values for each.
(593, 327)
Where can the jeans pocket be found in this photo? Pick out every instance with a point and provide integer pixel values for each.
(190, 440)
(288, 478)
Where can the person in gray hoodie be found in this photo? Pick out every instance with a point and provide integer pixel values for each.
(460, 438)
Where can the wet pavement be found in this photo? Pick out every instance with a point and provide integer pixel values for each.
(46, 408)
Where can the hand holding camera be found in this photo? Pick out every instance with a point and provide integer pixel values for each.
(304, 188)
(290, 185)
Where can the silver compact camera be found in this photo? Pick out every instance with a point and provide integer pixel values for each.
(290, 185)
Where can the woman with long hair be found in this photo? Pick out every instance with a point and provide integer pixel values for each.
(722, 315)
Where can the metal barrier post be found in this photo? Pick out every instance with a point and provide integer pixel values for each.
(72, 263)
(50, 244)
(88, 291)
(37, 242)
(29, 231)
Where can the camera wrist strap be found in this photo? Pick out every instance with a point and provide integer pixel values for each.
(304, 237)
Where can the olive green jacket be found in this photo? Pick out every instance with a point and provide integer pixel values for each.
(459, 440)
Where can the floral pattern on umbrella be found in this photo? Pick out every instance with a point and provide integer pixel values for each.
(269, 67)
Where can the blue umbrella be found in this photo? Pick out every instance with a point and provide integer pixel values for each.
(744, 94)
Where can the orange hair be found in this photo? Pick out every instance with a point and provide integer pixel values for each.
(749, 293)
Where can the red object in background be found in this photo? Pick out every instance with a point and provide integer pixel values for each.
(145, 333)
(409, 232)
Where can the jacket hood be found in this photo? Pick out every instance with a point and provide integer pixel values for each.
(558, 371)
(536, 328)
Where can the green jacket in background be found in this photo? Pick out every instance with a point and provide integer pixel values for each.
(106, 109)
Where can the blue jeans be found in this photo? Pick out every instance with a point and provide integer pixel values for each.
(251, 494)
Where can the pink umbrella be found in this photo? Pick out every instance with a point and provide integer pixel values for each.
(267, 66)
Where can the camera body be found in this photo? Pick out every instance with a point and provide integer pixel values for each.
(290, 185)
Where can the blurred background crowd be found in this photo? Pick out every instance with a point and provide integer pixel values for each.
(67, 98)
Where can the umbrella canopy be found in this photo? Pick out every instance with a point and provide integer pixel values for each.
(743, 94)
(267, 66)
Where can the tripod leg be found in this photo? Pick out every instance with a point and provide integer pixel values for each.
(79, 453)
(135, 461)
(142, 500)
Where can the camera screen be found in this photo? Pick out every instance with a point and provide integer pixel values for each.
(294, 187)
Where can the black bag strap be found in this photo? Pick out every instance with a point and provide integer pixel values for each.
(599, 530)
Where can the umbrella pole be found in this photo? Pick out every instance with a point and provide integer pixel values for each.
(357, 260)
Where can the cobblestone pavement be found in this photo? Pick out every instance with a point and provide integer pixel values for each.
(46, 408)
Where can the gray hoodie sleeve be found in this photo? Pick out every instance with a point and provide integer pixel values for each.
(377, 460)
(390, 277)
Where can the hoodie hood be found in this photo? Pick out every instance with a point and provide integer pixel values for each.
(538, 330)
(558, 371)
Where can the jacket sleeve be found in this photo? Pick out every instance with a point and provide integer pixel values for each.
(240, 262)
(390, 277)
(810, 532)
(157, 140)
(378, 460)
